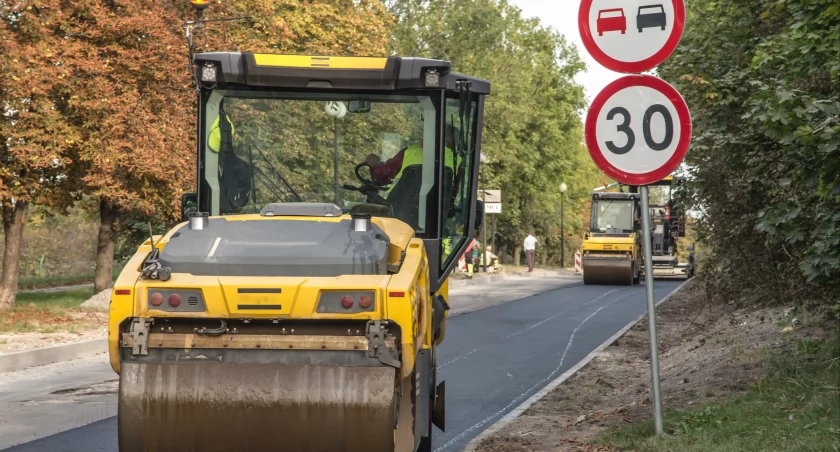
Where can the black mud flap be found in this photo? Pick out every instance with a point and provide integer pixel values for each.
(439, 411)
(439, 308)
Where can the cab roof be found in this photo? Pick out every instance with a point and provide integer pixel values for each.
(332, 72)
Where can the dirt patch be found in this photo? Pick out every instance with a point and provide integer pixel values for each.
(705, 351)
(100, 301)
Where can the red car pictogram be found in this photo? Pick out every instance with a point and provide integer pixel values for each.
(611, 20)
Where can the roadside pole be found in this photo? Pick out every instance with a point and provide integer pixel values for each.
(493, 235)
(651, 308)
(638, 128)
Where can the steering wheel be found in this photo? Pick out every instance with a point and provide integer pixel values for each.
(367, 182)
(369, 187)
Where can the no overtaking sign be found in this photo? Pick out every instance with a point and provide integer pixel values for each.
(631, 36)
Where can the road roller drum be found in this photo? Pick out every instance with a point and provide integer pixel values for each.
(607, 271)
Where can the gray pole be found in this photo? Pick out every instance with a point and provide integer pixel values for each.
(654, 346)
(483, 253)
(493, 237)
(335, 161)
(562, 235)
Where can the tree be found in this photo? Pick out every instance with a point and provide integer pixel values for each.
(134, 103)
(129, 100)
(33, 138)
(532, 133)
(761, 78)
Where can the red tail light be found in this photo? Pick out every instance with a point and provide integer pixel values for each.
(365, 301)
(174, 300)
(156, 299)
(347, 302)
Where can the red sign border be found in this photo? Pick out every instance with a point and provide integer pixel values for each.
(682, 146)
(623, 66)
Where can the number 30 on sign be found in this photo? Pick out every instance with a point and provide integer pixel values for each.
(638, 129)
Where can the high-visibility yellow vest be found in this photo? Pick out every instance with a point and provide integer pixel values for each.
(413, 155)
(215, 138)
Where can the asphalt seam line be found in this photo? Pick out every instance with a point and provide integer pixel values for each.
(472, 446)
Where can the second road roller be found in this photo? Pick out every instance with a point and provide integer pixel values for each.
(300, 302)
(612, 249)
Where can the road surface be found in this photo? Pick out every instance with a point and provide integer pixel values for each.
(508, 340)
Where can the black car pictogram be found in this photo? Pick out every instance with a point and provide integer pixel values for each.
(650, 16)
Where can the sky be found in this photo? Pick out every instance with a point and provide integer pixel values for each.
(562, 16)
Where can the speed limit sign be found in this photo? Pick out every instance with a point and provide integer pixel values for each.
(638, 129)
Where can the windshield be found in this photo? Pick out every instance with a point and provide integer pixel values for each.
(614, 214)
(371, 153)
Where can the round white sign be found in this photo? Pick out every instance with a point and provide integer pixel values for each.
(638, 129)
(631, 35)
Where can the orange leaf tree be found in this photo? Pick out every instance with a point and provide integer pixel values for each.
(34, 140)
(130, 101)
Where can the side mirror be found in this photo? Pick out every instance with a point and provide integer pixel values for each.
(479, 213)
(359, 106)
(189, 204)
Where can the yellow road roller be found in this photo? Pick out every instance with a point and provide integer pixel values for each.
(299, 304)
(612, 249)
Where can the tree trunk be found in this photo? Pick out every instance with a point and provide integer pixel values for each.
(104, 276)
(516, 255)
(14, 218)
(544, 259)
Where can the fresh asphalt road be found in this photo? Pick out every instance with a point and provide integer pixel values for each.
(492, 359)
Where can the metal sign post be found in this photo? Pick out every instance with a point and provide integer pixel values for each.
(651, 308)
(638, 128)
(492, 207)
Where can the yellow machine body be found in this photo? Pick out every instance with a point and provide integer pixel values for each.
(612, 255)
(403, 299)
(230, 331)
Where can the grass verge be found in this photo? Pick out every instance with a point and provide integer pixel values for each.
(57, 281)
(48, 312)
(796, 407)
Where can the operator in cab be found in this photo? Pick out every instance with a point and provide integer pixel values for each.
(403, 192)
(389, 171)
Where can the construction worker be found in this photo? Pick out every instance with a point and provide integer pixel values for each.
(389, 172)
(492, 259)
(468, 258)
(214, 140)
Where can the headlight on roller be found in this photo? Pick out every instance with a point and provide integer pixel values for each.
(208, 73)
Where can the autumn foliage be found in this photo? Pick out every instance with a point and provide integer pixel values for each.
(97, 100)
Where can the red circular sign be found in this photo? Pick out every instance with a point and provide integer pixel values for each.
(638, 130)
(635, 37)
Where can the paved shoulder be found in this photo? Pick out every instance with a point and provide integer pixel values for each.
(480, 296)
(46, 400)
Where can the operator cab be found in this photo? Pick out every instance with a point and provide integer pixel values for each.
(387, 137)
(614, 214)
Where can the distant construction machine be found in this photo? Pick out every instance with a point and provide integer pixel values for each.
(612, 249)
(667, 227)
(290, 309)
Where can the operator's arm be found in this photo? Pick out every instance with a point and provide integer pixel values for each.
(384, 172)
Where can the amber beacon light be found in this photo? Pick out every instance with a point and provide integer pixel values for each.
(200, 4)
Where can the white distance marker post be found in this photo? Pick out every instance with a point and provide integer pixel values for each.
(638, 131)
